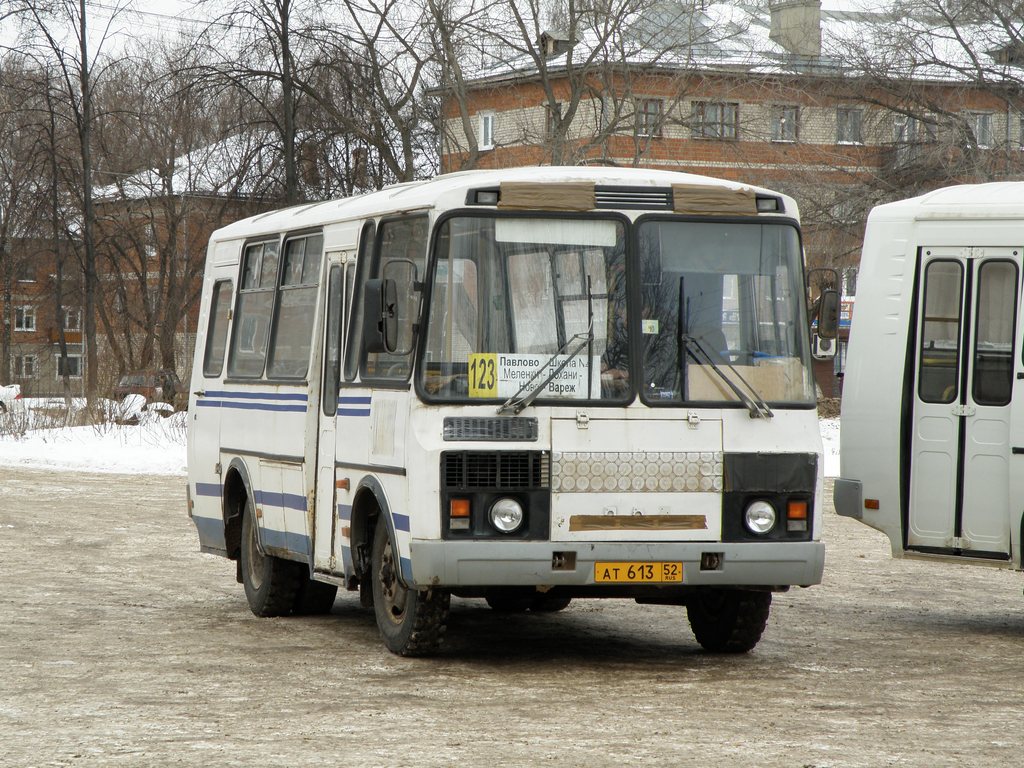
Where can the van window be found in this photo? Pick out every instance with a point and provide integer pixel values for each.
(939, 354)
(217, 333)
(255, 306)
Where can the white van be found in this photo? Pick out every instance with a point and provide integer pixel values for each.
(526, 386)
(933, 405)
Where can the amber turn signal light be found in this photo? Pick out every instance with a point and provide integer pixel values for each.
(458, 514)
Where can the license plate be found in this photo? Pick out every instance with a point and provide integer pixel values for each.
(638, 573)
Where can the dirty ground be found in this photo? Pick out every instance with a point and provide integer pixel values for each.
(121, 645)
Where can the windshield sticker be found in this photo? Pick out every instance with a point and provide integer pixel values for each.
(649, 327)
(494, 375)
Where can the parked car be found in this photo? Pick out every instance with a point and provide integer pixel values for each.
(155, 386)
(10, 396)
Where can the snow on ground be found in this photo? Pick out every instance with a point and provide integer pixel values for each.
(156, 446)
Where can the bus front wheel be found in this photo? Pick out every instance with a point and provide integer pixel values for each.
(411, 621)
(271, 583)
(727, 620)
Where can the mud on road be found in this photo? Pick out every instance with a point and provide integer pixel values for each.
(121, 645)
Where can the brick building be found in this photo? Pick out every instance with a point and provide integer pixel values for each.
(781, 95)
(784, 95)
(34, 331)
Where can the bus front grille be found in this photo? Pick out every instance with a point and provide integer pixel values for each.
(501, 470)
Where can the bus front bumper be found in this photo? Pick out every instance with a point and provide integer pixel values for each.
(545, 563)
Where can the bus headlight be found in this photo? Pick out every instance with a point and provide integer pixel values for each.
(759, 517)
(507, 515)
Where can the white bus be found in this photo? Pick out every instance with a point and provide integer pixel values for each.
(526, 386)
(932, 418)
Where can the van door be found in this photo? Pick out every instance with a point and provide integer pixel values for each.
(960, 445)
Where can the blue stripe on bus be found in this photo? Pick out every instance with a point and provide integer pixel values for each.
(208, 489)
(292, 542)
(258, 395)
(350, 401)
(401, 522)
(345, 513)
(406, 565)
(210, 530)
(251, 406)
(284, 500)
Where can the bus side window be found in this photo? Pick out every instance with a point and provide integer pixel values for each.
(401, 257)
(354, 307)
(255, 306)
(217, 332)
(332, 350)
(296, 307)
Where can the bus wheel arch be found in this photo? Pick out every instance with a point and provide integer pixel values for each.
(369, 504)
(236, 491)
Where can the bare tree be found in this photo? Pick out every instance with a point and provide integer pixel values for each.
(78, 68)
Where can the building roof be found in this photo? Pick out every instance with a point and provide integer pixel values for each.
(855, 37)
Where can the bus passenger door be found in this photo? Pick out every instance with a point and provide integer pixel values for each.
(326, 517)
(960, 447)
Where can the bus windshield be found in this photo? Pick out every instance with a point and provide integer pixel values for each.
(722, 300)
(527, 303)
(515, 298)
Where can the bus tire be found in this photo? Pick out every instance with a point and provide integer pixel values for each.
(727, 620)
(270, 583)
(314, 598)
(411, 622)
(549, 604)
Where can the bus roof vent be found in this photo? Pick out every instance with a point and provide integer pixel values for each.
(511, 429)
(634, 198)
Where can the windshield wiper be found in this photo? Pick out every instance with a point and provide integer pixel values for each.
(586, 341)
(516, 403)
(754, 403)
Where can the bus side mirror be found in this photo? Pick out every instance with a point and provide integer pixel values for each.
(380, 302)
(828, 314)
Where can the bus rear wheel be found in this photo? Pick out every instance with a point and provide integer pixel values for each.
(271, 583)
(727, 620)
(411, 621)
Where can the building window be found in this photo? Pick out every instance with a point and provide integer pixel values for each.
(25, 366)
(649, 120)
(715, 120)
(24, 318)
(848, 125)
(24, 272)
(72, 319)
(486, 130)
(909, 133)
(72, 364)
(785, 122)
(981, 125)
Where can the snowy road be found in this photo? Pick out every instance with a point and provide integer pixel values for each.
(121, 645)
